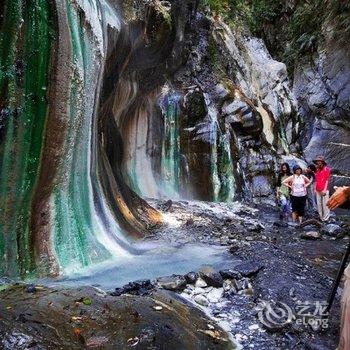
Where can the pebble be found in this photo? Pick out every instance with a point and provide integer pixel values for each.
(254, 327)
(191, 277)
(201, 300)
(200, 283)
(311, 235)
(198, 290)
(215, 295)
(31, 288)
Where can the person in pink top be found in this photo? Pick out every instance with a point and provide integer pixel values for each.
(322, 179)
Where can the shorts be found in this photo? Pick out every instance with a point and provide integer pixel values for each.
(284, 204)
(298, 205)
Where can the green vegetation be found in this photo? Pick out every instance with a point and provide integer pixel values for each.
(291, 32)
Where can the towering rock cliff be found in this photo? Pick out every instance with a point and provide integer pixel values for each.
(322, 87)
(105, 103)
(212, 128)
(316, 49)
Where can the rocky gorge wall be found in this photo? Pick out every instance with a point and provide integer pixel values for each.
(215, 128)
(322, 88)
(103, 104)
(316, 51)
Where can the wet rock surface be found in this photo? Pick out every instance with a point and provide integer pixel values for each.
(174, 282)
(275, 268)
(57, 319)
(211, 277)
(274, 271)
(142, 287)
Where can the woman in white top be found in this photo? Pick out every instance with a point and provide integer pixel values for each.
(298, 184)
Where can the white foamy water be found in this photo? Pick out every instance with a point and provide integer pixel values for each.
(154, 260)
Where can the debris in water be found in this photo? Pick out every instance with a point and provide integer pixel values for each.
(133, 341)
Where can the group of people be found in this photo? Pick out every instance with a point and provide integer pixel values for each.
(310, 188)
(304, 189)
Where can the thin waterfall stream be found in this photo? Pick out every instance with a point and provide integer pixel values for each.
(141, 147)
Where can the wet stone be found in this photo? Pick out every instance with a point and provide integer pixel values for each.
(140, 287)
(230, 274)
(191, 277)
(249, 268)
(229, 285)
(211, 277)
(215, 295)
(242, 284)
(312, 235)
(174, 282)
(333, 230)
(201, 300)
(200, 283)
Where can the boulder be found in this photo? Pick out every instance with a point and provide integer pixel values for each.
(211, 277)
(201, 300)
(333, 230)
(174, 282)
(230, 274)
(313, 235)
(249, 268)
(140, 287)
(191, 277)
(215, 295)
(200, 283)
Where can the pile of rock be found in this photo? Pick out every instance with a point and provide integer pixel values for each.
(209, 286)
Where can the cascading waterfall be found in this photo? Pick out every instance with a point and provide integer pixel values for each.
(54, 212)
(103, 104)
(221, 161)
(170, 160)
(225, 170)
(213, 139)
(79, 237)
(163, 172)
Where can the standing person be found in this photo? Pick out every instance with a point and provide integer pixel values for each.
(298, 184)
(283, 191)
(323, 175)
(311, 204)
(341, 198)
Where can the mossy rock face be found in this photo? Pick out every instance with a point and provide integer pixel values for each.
(158, 22)
(59, 319)
(195, 109)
